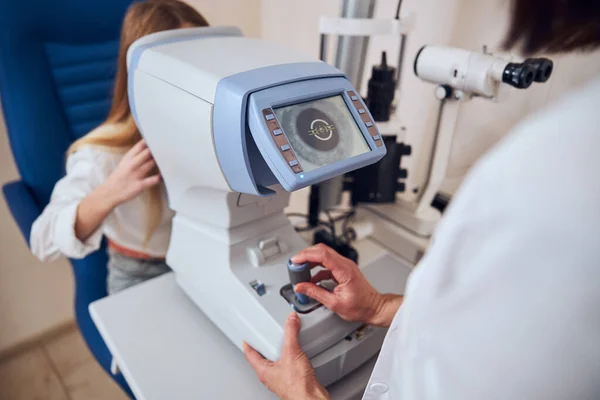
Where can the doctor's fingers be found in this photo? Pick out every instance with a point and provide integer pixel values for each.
(323, 296)
(291, 346)
(323, 275)
(259, 364)
(326, 257)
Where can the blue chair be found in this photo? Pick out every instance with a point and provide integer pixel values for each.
(57, 66)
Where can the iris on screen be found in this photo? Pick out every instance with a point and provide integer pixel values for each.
(321, 132)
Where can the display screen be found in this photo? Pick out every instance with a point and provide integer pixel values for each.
(321, 132)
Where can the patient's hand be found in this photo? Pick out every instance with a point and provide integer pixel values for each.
(353, 299)
(128, 180)
(132, 176)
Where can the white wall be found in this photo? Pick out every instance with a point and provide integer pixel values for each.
(483, 123)
(295, 23)
(244, 14)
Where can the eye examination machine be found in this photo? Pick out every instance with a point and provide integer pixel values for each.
(235, 124)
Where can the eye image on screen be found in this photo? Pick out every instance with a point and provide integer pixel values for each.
(321, 132)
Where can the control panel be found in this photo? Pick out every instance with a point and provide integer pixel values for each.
(281, 140)
(366, 118)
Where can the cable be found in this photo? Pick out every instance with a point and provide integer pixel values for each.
(332, 223)
(347, 219)
(398, 9)
(349, 236)
(299, 215)
(347, 233)
(308, 227)
(335, 219)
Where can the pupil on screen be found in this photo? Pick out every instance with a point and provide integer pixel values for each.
(317, 129)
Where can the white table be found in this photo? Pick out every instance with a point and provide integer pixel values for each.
(168, 349)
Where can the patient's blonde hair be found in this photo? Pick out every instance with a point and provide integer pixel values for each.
(119, 132)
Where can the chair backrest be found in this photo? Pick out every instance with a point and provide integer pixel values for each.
(57, 66)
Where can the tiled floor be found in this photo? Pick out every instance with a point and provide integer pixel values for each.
(58, 369)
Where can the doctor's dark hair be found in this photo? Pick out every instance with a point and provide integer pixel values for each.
(553, 26)
(119, 132)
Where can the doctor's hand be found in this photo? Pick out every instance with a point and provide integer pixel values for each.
(353, 299)
(292, 377)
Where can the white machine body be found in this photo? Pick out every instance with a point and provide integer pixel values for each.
(225, 119)
(469, 71)
(406, 227)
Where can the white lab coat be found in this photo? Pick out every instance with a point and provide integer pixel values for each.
(506, 303)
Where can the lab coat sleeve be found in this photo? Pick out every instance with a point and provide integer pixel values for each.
(504, 305)
(53, 233)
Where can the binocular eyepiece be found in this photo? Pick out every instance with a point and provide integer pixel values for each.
(543, 68)
(522, 75)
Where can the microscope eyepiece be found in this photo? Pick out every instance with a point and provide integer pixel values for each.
(543, 68)
(477, 73)
(519, 75)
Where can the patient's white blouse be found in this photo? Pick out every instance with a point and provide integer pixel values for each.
(53, 233)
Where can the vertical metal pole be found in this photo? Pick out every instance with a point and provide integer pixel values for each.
(323, 48)
(402, 48)
(401, 52)
(352, 50)
(350, 58)
(314, 207)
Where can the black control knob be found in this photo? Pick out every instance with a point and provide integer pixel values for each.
(405, 149)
